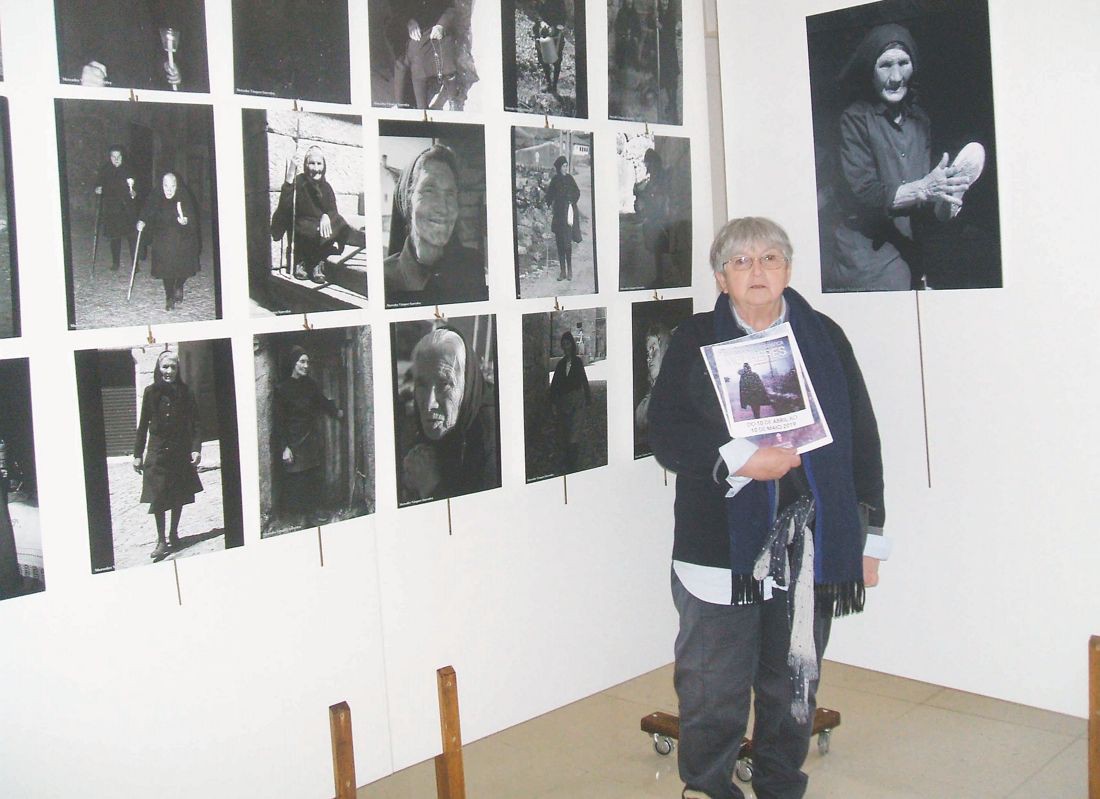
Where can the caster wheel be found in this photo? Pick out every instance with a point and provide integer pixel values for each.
(743, 770)
(662, 744)
(823, 743)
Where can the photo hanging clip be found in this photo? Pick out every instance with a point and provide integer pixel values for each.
(426, 115)
(546, 121)
(133, 96)
(440, 317)
(557, 305)
(657, 297)
(149, 334)
(296, 106)
(307, 326)
(647, 128)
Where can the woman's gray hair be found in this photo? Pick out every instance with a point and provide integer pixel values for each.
(738, 233)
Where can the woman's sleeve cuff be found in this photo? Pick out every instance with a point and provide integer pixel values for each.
(877, 546)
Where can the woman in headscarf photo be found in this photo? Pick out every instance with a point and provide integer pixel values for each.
(297, 443)
(430, 265)
(889, 183)
(455, 450)
(169, 224)
(116, 196)
(307, 214)
(561, 197)
(570, 397)
(167, 450)
(656, 344)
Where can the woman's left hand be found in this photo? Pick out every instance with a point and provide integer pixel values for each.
(325, 227)
(870, 571)
(196, 458)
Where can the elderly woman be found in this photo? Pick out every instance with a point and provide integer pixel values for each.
(168, 449)
(550, 20)
(570, 397)
(455, 450)
(652, 204)
(657, 336)
(117, 196)
(307, 209)
(298, 444)
(889, 185)
(561, 196)
(432, 267)
(169, 224)
(742, 512)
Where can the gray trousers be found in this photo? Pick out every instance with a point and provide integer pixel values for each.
(724, 653)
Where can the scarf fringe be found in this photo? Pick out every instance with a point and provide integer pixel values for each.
(841, 599)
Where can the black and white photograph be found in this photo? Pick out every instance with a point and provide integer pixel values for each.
(564, 392)
(545, 57)
(433, 212)
(161, 456)
(422, 54)
(140, 175)
(304, 211)
(553, 202)
(902, 101)
(21, 569)
(292, 49)
(133, 44)
(9, 270)
(645, 61)
(315, 427)
(446, 408)
(654, 211)
(651, 326)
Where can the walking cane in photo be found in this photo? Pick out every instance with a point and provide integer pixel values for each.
(133, 269)
(95, 235)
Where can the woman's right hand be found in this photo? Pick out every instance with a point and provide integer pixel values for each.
(945, 183)
(137, 465)
(770, 463)
(288, 456)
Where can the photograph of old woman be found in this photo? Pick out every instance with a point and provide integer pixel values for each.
(144, 174)
(159, 432)
(900, 203)
(167, 450)
(645, 60)
(315, 423)
(436, 252)
(9, 273)
(651, 327)
(545, 57)
(564, 391)
(446, 408)
(21, 566)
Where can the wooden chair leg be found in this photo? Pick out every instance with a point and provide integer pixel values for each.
(450, 780)
(343, 753)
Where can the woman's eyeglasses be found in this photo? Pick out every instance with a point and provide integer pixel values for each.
(769, 260)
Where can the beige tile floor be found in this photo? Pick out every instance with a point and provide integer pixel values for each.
(899, 739)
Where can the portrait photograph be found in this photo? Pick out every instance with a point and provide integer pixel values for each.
(422, 54)
(315, 427)
(553, 202)
(433, 212)
(9, 270)
(161, 458)
(545, 59)
(645, 61)
(293, 49)
(904, 143)
(564, 392)
(21, 569)
(304, 211)
(133, 44)
(446, 408)
(139, 211)
(651, 326)
(767, 382)
(654, 211)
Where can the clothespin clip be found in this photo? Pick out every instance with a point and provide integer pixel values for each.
(546, 123)
(149, 334)
(133, 96)
(296, 106)
(426, 115)
(657, 296)
(646, 128)
(557, 305)
(307, 326)
(439, 316)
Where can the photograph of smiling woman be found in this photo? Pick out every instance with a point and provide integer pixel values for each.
(905, 146)
(433, 201)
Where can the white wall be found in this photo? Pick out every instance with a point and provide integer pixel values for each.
(111, 687)
(993, 587)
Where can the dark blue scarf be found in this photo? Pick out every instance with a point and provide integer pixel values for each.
(838, 540)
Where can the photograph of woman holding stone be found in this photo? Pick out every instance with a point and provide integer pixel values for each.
(168, 450)
(299, 404)
(169, 224)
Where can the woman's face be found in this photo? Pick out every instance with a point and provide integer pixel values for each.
(654, 354)
(315, 165)
(169, 368)
(434, 201)
(439, 382)
(116, 158)
(301, 366)
(568, 346)
(168, 184)
(893, 71)
(756, 287)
